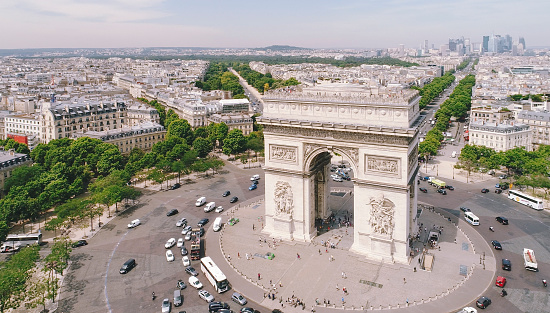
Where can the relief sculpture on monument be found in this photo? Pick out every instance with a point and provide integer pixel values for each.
(284, 202)
(382, 215)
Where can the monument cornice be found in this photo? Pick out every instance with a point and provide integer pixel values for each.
(380, 185)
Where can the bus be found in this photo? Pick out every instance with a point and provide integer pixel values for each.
(17, 241)
(471, 218)
(529, 260)
(525, 199)
(214, 275)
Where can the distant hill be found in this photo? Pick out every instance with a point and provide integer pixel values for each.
(281, 48)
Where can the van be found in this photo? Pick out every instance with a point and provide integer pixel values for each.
(217, 224)
(127, 266)
(200, 201)
(453, 155)
(178, 298)
(210, 207)
(255, 177)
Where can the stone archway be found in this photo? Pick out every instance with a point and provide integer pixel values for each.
(380, 141)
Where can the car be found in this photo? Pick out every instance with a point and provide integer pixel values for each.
(424, 190)
(185, 260)
(484, 190)
(166, 306)
(184, 251)
(237, 297)
(498, 191)
(500, 282)
(174, 186)
(338, 179)
(170, 243)
(6, 248)
(169, 256)
(180, 243)
(255, 177)
(134, 223)
(483, 302)
(77, 244)
(450, 187)
(127, 266)
(503, 176)
(504, 186)
(219, 209)
(234, 199)
(496, 245)
(188, 235)
(226, 193)
(468, 309)
(465, 209)
(181, 284)
(501, 219)
(506, 265)
(187, 228)
(201, 232)
(206, 296)
(195, 282)
(172, 212)
(191, 271)
(202, 222)
(442, 191)
(497, 186)
(217, 306)
(181, 222)
(255, 182)
(252, 187)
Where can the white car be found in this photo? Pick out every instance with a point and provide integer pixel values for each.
(219, 209)
(468, 310)
(338, 179)
(206, 296)
(169, 256)
(180, 243)
(188, 235)
(185, 260)
(170, 243)
(255, 177)
(194, 281)
(134, 223)
(181, 222)
(166, 306)
(334, 176)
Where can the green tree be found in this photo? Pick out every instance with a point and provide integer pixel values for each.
(180, 128)
(203, 146)
(13, 277)
(234, 143)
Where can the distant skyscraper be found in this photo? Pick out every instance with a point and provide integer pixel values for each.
(401, 49)
(485, 43)
(522, 41)
(426, 48)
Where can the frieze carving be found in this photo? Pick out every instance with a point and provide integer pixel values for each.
(338, 135)
(353, 153)
(283, 153)
(382, 164)
(413, 157)
(382, 215)
(309, 147)
(284, 199)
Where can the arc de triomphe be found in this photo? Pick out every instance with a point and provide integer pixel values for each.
(376, 133)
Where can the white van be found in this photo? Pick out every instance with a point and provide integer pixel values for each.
(209, 207)
(200, 201)
(217, 224)
(453, 155)
(255, 177)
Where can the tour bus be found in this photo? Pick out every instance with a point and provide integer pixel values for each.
(529, 260)
(471, 218)
(525, 199)
(16, 241)
(214, 275)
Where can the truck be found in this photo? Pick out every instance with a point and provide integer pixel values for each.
(438, 183)
(529, 260)
(195, 249)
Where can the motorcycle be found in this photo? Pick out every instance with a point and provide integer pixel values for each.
(153, 297)
(544, 282)
(503, 293)
(491, 228)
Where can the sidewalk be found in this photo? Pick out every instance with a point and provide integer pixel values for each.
(310, 271)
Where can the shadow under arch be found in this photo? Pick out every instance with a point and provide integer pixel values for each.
(312, 155)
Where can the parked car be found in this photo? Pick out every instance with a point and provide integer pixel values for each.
(170, 243)
(424, 190)
(202, 222)
(180, 243)
(169, 256)
(181, 284)
(134, 223)
(219, 209)
(500, 282)
(194, 281)
(496, 245)
(234, 199)
(201, 232)
(504, 186)
(248, 310)
(77, 244)
(503, 176)
(217, 306)
(450, 187)
(442, 191)
(484, 190)
(184, 251)
(185, 260)
(172, 212)
(255, 177)
(206, 296)
(506, 265)
(497, 186)
(127, 266)
(465, 209)
(498, 191)
(338, 179)
(501, 219)
(237, 297)
(166, 306)
(174, 186)
(181, 222)
(226, 193)
(191, 271)
(468, 310)
(252, 187)
(188, 235)
(334, 176)
(483, 302)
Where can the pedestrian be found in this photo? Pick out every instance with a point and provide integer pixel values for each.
(272, 296)
(337, 288)
(229, 257)
(415, 269)
(344, 290)
(331, 258)
(343, 275)
(270, 282)
(247, 257)
(297, 256)
(253, 227)
(407, 300)
(260, 276)
(404, 280)
(319, 251)
(280, 284)
(326, 250)
(455, 240)
(342, 300)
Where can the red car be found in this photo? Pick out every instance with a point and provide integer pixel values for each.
(500, 282)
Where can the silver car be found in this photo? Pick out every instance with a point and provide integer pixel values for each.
(166, 306)
(237, 297)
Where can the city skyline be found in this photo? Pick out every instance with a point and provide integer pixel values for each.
(241, 24)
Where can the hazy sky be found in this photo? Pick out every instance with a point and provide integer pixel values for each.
(241, 23)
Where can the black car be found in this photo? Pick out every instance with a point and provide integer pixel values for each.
(174, 186)
(249, 310)
(172, 212)
(483, 302)
(498, 191)
(442, 191)
(234, 199)
(181, 284)
(226, 193)
(496, 245)
(201, 232)
(484, 190)
(424, 190)
(184, 251)
(503, 186)
(450, 187)
(216, 306)
(191, 271)
(202, 222)
(506, 265)
(465, 209)
(501, 219)
(80, 243)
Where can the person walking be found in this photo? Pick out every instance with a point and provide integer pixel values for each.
(259, 277)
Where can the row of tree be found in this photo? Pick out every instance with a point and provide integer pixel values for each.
(534, 98)
(430, 91)
(463, 65)
(218, 77)
(262, 82)
(9, 144)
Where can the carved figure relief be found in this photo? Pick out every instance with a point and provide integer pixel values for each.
(308, 148)
(379, 164)
(283, 153)
(284, 199)
(382, 215)
(413, 157)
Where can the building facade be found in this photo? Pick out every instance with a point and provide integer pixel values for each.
(234, 121)
(539, 123)
(10, 160)
(501, 137)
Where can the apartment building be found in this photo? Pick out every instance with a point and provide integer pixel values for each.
(234, 121)
(490, 114)
(23, 128)
(141, 113)
(10, 160)
(539, 123)
(501, 136)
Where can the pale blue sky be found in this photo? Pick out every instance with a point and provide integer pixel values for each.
(241, 23)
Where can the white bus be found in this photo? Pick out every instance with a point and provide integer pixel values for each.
(16, 241)
(529, 260)
(525, 199)
(214, 275)
(471, 218)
